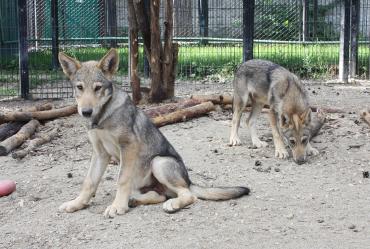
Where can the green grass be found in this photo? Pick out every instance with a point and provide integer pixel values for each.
(198, 61)
(8, 92)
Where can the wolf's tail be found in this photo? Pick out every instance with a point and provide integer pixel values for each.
(218, 193)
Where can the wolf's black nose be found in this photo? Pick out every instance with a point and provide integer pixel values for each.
(300, 161)
(86, 112)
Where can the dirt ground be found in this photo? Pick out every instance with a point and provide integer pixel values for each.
(321, 204)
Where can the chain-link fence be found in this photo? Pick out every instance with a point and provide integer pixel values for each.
(300, 35)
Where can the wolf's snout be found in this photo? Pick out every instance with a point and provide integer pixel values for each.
(300, 160)
(86, 112)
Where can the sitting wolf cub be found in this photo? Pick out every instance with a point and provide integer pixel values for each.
(151, 169)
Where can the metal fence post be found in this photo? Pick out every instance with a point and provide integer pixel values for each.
(112, 21)
(54, 34)
(248, 29)
(315, 12)
(344, 41)
(355, 20)
(203, 19)
(305, 20)
(23, 49)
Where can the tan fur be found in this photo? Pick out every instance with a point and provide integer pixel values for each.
(150, 168)
(262, 83)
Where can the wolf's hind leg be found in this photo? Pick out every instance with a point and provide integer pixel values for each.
(150, 197)
(280, 150)
(239, 102)
(251, 121)
(169, 172)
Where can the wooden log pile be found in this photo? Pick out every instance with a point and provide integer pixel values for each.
(19, 127)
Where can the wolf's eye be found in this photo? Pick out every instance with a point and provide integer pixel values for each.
(292, 141)
(97, 88)
(304, 140)
(79, 87)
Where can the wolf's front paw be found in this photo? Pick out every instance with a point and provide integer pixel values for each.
(71, 206)
(281, 153)
(114, 210)
(311, 151)
(259, 144)
(170, 206)
(235, 141)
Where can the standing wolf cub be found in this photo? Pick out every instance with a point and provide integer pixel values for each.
(151, 169)
(265, 83)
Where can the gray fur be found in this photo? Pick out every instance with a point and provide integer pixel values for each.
(260, 83)
(118, 129)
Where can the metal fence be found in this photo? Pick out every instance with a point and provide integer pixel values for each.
(303, 36)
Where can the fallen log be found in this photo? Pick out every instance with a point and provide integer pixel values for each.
(168, 108)
(36, 142)
(327, 109)
(317, 123)
(39, 115)
(223, 99)
(184, 114)
(365, 115)
(16, 140)
(42, 107)
(9, 129)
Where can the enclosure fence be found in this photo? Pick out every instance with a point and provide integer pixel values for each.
(305, 36)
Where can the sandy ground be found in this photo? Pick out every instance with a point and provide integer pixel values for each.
(321, 204)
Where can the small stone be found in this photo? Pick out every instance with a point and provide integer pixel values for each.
(233, 203)
(258, 163)
(290, 216)
(320, 221)
(277, 169)
(365, 174)
(109, 178)
(215, 151)
(352, 226)
(21, 203)
(357, 122)
(69, 175)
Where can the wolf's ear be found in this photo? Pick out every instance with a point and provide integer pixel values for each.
(109, 63)
(306, 116)
(68, 64)
(284, 121)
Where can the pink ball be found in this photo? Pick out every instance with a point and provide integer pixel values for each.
(6, 187)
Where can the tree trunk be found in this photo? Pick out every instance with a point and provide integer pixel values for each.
(142, 18)
(184, 114)
(22, 135)
(162, 60)
(134, 54)
(168, 50)
(157, 93)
